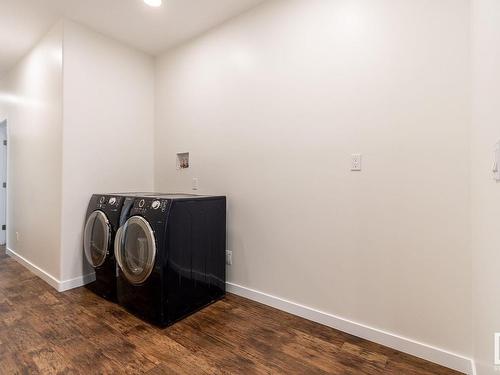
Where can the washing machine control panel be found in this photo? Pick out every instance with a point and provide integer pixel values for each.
(110, 205)
(108, 202)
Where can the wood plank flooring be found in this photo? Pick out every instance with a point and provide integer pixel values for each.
(46, 332)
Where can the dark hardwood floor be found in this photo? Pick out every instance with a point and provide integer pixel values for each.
(46, 332)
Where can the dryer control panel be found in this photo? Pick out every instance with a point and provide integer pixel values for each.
(151, 207)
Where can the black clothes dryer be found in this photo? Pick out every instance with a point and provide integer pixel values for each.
(171, 256)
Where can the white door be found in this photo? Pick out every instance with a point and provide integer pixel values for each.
(3, 182)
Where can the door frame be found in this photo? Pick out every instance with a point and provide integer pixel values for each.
(4, 122)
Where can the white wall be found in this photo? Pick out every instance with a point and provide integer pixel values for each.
(78, 129)
(31, 100)
(108, 129)
(485, 132)
(272, 104)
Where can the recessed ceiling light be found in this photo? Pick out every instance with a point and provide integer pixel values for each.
(153, 3)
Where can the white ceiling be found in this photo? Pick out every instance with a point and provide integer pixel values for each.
(152, 30)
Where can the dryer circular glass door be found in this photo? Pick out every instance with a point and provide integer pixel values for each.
(96, 238)
(135, 249)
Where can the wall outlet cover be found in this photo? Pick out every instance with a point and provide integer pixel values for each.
(195, 184)
(496, 163)
(356, 162)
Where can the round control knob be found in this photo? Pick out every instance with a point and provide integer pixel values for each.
(142, 202)
(102, 200)
(112, 201)
(156, 205)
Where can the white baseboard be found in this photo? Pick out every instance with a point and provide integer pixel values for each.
(428, 352)
(76, 282)
(60, 286)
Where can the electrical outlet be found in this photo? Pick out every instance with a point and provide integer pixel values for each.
(496, 163)
(195, 184)
(356, 162)
(229, 257)
(18, 236)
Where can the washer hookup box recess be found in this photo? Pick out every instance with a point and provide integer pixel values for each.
(182, 160)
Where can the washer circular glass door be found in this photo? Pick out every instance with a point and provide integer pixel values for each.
(96, 238)
(135, 249)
